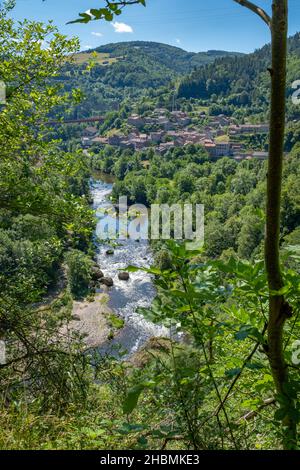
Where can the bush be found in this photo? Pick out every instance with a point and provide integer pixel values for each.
(32, 228)
(32, 262)
(79, 272)
(163, 260)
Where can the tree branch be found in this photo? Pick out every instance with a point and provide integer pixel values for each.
(252, 414)
(122, 3)
(257, 10)
(37, 353)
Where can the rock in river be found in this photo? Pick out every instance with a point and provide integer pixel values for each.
(96, 273)
(107, 281)
(123, 276)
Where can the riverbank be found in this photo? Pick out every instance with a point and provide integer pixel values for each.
(126, 297)
(92, 319)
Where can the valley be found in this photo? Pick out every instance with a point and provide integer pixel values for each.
(116, 332)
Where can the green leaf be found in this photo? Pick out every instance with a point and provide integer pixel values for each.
(108, 16)
(248, 330)
(113, 7)
(128, 428)
(132, 398)
(254, 365)
(98, 13)
(284, 290)
(232, 372)
(85, 18)
(132, 269)
(142, 440)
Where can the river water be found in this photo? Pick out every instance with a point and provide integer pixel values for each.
(126, 296)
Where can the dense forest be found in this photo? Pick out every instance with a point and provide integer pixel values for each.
(208, 385)
(174, 58)
(233, 193)
(229, 83)
(240, 82)
(128, 70)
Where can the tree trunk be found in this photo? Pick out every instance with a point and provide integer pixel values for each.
(279, 310)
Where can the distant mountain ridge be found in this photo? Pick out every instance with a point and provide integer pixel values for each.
(173, 58)
(131, 70)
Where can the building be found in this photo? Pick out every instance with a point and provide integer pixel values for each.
(136, 121)
(156, 137)
(165, 123)
(236, 147)
(260, 155)
(115, 139)
(126, 144)
(90, 132)
(221, 120)
(99, 140)
(210, 147)
(249, 129)
(140, 141)
(223, 149)
(86, 142)
(150, 121)
(160, 112)
(217, 149)
(192, 137)
(165, 147)
(181, 118)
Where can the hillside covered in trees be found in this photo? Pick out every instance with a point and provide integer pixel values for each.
(174, 58)
(241, 82)
(228, 82)
(129, 69)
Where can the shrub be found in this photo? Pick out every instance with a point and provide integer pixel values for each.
(79, 272)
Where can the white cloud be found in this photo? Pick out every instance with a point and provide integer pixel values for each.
(178, 41)
(122, 27)
(94, 33)
(87, 46)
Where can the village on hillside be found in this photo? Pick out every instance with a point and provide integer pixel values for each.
(163, 130)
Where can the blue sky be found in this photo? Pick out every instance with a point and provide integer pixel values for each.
(194, 25)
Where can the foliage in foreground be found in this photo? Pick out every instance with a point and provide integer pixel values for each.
(44, 211)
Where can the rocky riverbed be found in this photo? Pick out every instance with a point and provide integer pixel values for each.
(125, 295)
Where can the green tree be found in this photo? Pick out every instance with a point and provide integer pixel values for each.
(79, 272)
(279, 310)
(43, 210)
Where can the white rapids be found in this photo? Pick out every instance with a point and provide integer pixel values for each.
(126, 296)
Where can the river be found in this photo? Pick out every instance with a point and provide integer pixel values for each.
(125, 297)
